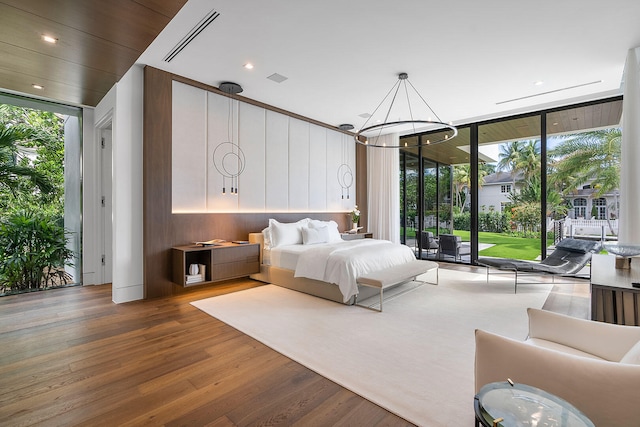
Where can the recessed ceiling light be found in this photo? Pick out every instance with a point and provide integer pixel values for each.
(37, 86)
(538, 83)
(49, 39)
(248, 66)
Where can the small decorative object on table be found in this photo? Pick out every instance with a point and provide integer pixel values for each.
(213, 242)
(623, 252)
(355, 218)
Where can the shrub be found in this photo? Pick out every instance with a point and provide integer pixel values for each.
(462, 221)
(493, 222)
(33, 251)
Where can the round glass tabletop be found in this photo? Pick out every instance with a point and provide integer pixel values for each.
(523, 405)
(622, 249)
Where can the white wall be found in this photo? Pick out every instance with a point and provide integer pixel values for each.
(90, 179)
(124, 106)
(491, 195)
(288, 165)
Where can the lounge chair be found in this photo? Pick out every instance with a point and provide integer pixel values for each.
(569, 257)
(451, 245)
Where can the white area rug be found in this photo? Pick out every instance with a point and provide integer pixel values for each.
(416, 359)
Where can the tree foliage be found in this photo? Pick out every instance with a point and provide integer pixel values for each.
(31, 159)
(33, 251)
(588, 157)
(33, 242)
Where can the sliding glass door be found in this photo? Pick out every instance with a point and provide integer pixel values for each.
(509, 188)
(514, 187)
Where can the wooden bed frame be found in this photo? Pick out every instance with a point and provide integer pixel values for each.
(285, 278)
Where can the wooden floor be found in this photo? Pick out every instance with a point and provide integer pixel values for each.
(72, 357)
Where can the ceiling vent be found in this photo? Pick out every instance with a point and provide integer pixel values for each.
(278, 78)
(548, 92)
(195, 31)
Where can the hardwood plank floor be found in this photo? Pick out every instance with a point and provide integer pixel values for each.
(72, 357)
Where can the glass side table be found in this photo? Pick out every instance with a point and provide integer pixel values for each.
(510, 404)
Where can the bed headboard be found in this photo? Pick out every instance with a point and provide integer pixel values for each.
(257, 238)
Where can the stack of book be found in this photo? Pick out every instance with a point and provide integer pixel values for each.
(195, 278)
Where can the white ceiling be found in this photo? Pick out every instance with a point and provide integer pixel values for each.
(465, 57)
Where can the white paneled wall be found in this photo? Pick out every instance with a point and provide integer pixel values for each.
(251, 195)
(277, 162)
(222, 120)
(288, 165)
(318, 169)
(188, 153)
(298, 165)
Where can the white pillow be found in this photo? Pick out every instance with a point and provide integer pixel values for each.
(633, 355)
(332, 226)
(286, 233)
(313, 236)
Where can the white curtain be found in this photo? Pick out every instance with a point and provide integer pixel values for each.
(629, 231)
(384, 189)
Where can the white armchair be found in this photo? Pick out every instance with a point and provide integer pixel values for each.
(594, 366)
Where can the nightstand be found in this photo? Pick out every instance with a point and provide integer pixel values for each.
(220, 262)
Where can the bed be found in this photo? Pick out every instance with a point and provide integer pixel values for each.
(310, 256)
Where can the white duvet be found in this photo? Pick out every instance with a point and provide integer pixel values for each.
(342, 262)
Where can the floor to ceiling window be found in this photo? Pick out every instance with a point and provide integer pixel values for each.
(409, 176)
(584, 144)
(509, 188)
(438, 184)
(40, 186)
(536, 178)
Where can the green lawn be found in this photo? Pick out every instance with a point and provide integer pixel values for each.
(504, 246)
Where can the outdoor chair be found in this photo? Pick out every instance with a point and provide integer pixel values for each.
(429, 242)
(451, 245)
(568, 259)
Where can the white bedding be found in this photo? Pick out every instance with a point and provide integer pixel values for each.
(342, 262)
(284, 256)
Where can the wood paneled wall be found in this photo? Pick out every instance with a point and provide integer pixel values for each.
(162, 229)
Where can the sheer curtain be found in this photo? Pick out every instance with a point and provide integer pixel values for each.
(629, 231)
(384, 190)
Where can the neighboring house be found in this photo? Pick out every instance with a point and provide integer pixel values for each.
(496, 189)
(585, 204)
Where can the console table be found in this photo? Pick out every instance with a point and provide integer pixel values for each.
(613, 298)
(221, 262)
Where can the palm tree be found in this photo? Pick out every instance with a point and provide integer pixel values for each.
(12, 170)
(529, 160)
(462, 179)
(590, 156)
(509, 158)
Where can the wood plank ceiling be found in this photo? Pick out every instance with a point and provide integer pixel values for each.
(97, 42)
(559, 122)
